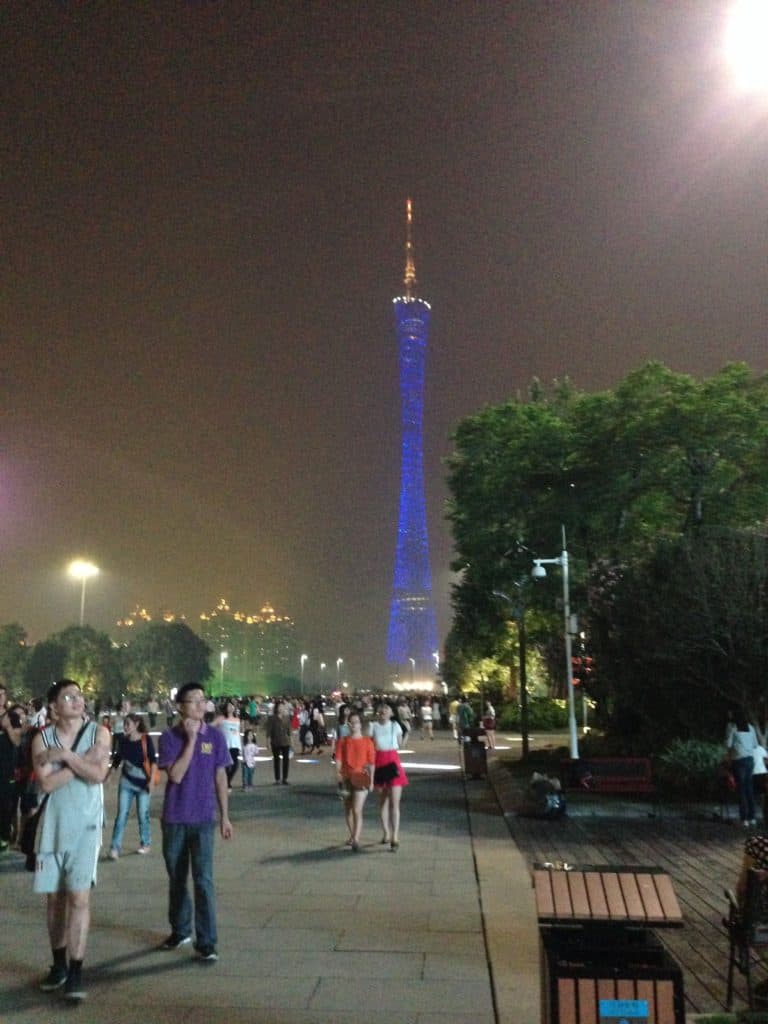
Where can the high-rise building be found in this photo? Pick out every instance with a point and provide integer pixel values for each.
(412, 639)
(256, 646)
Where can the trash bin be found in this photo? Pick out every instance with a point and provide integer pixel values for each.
(473, 754)
(605, 975)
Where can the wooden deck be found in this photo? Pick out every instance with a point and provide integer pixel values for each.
(702, 859)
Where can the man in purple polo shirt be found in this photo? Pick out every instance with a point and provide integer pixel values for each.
(196, 757)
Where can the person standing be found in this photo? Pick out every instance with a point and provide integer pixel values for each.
(71, 760)
(136, 755)
(153, 710)
(279, 736)
(250, 750)
(355, 762)
(427, 718)
(229, 726)
(195, 756)
(741, 746)
(11, 728)
(489, 725)
(389, 776)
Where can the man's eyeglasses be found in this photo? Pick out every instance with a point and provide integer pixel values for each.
(70, 697)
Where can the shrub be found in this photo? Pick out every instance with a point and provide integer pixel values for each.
(542, 714)
(691, 768)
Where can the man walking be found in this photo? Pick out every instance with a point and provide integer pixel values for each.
(71, 759)
(195, 755)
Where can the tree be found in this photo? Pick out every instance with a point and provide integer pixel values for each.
(165, 656)
(14, 654)
(91, 660)
(660, 455)
(45, 666)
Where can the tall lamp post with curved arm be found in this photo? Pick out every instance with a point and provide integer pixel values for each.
(539, 572)
(83, 571)
(303, 661)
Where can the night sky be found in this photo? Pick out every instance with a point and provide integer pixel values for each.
(202, 214)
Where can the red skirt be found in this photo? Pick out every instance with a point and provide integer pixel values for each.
(391, 757)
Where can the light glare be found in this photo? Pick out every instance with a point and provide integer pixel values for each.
(746, 44)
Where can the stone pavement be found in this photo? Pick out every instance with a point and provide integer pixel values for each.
(309, 932)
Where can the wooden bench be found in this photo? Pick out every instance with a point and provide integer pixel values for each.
(630, 775)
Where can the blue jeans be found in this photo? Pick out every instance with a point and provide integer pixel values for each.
(742, 772)
(183, 844)
(126, 794)
(247, 775)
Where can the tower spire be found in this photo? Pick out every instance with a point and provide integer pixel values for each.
(410, 266)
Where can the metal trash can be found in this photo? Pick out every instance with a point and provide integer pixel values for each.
(603, 975)
(473, 753)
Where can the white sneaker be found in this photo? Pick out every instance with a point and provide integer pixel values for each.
(143, 849)
(113, 855)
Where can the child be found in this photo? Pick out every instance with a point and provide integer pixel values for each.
(250, 750)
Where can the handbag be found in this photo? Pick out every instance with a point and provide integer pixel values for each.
(385, 773)
(153, 773)
(29, 830)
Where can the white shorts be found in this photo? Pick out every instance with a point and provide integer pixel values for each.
(69, 871)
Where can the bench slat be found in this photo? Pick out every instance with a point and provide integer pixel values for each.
(613, 896)
(667, 898)
(545, 903)
(632, 899)
(579, 898)
(654, 911)
(598, 904)
(561, 894)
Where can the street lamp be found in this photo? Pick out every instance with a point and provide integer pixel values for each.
(322, 677)
(303, 660)
(83, 571)
(222, 657)
(339, 663)
(436, 656)
(413, 669)
(745, 44)
(538, 573)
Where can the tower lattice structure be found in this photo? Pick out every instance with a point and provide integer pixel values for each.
(412, 639)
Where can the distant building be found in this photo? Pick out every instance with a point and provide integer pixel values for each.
(255, 646)
(139, 618)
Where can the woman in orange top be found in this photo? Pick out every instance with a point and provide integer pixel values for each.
(355, 758)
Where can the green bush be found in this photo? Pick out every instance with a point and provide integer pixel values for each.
(691, 768)
(542, 714)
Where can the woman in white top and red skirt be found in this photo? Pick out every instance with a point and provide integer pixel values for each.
(389, 776)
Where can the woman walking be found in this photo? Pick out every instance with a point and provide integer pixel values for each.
(279, 736)
(136, 753)
(389, 776)
(355, 761)
(229, 726)
(741, 743)
(250, 750)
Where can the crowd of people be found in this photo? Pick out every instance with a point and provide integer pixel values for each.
(56, 755)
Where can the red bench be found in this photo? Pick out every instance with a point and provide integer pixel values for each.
(630, 775)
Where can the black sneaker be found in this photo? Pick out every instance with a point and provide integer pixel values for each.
(175, 941)
(55, 979)
(73, 987)
(208, 953)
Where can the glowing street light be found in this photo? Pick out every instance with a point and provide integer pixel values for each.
(83, 571)
(303, 661)
(413, 669)
(339, 663)
(746, 44)
(223, 657)
(538, 573)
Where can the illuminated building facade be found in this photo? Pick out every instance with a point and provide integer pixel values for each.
(412, 638)
(257, 646)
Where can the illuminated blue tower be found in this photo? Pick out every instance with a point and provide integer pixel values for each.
(412, 640)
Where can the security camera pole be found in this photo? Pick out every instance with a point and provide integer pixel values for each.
(539, 572)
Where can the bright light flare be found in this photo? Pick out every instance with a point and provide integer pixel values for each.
(82, 570)
(746, 44)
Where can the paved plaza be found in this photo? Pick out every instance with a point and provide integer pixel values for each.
(309, 932)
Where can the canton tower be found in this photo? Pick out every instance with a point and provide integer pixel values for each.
(412, 639)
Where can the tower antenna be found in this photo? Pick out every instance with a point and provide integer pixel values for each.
(410, 266)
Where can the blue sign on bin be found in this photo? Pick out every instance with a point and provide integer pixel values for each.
(623, 1011)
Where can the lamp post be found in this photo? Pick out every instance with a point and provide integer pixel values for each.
(413, 670)
(222, 657)
(83, 571)
(303, 661)
(322, 677)
(339, 663)
(539, 572)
